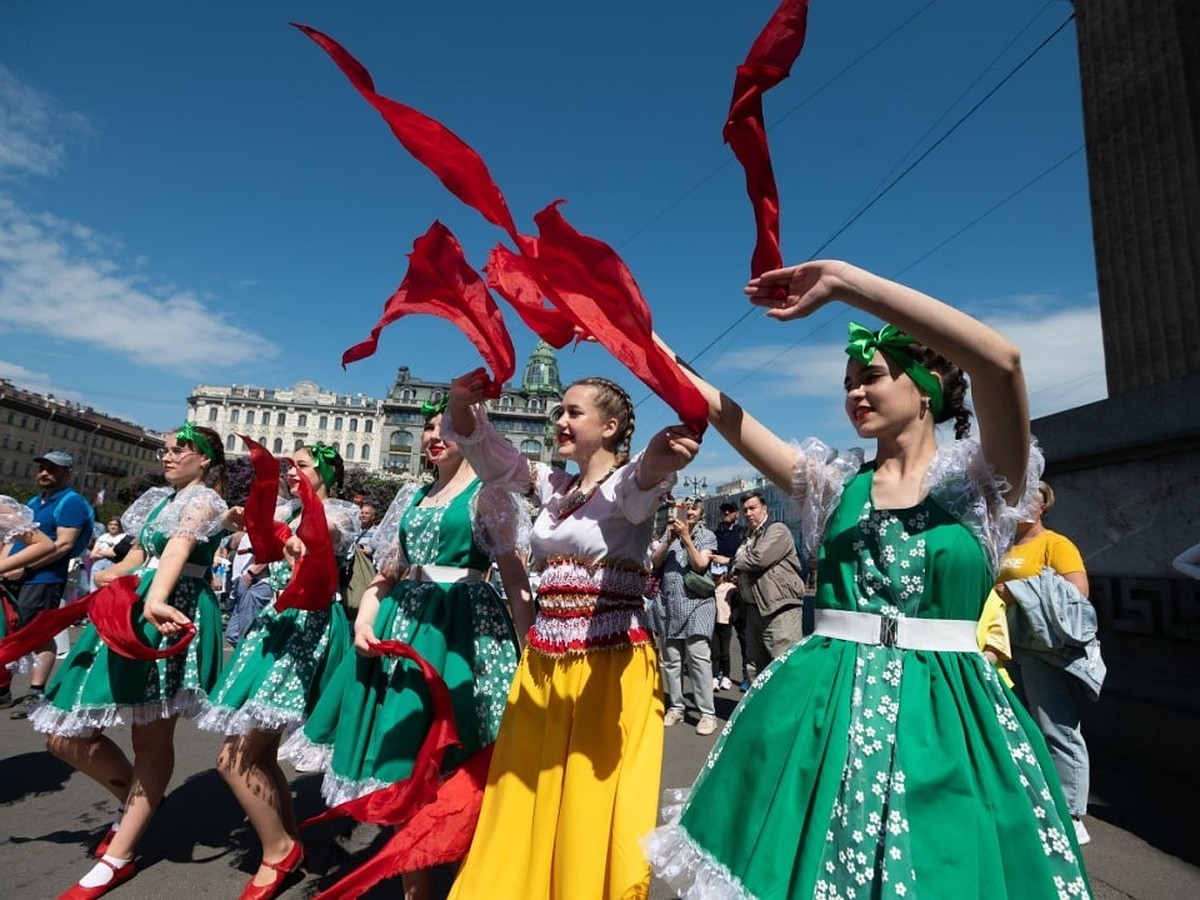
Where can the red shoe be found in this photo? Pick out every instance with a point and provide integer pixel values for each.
(102, 847)
(79, 892)
(283, 869)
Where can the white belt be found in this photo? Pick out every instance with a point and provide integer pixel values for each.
(955, 635)
(443, 574)
(189, 570)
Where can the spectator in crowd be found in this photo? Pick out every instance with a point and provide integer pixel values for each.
(689, 609)
(109, 548)
(66, 518)
(368, 518)
(730, 534)
(727, 603)
(16, 524)
(771, 582)
(1054, 682)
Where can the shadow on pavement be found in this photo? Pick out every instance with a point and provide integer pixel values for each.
(28, 774)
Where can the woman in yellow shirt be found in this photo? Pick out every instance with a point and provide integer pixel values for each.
(1053, 696)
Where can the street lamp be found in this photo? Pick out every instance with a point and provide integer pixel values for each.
(695, 486)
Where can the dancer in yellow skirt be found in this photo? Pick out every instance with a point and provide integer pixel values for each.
(574, 778)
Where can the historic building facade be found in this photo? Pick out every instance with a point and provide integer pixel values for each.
(378, 435)
(107, 450)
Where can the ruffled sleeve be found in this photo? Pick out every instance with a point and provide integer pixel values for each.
(194, 513)
(500, 520)
(636, 504)
(818, 479)
(386, 551)
(16, 519)
(343, 517)
(139, 511)
(964, 483)
(495, 460)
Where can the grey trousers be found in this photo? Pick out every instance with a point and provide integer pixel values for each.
(1054, 699)
(699, 661)
(768, 636)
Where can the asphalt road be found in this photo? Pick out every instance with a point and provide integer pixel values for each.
(1142, 824)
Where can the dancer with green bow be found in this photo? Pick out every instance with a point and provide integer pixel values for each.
(97, 687)
(433, 550)
(281, 667)
(882, 756)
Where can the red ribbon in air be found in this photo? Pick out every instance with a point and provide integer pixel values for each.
(267, 536)
(315, 574)
(768, 63)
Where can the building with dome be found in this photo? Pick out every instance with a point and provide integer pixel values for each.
(377, 435)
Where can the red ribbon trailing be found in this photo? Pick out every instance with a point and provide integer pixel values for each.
(768, 63)
(266, 536)
(598, 306)
(399, 802)
(588, 279)
(442, 283)
(443, 152)
(315, 574)
(111, 610)
(112, 614)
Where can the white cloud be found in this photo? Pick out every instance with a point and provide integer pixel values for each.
(33, 129)
(60, 279)
(38, 382)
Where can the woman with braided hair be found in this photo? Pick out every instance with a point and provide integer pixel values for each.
(574, 778)
(177, 528)
(282, 665)
(882, 756)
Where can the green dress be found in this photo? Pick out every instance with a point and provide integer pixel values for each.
(855, 770)
(94, 688)
(368, 728)
(286, 660)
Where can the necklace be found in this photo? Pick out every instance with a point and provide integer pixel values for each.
(561, 507)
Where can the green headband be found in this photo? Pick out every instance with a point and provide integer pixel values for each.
(894, 343)
(431, 408)
(323, 456)
(188, 432)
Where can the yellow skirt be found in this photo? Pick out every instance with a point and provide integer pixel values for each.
(573, 782)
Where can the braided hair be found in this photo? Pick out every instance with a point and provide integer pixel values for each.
(954, 388)
(614, 403)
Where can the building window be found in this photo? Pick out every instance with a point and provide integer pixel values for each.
(349, 451)
(233, 417)
(408, 394)
(535, 405)
(531, 449)
(337, 448)
(277, 445)
(436, 396)
(337, 423)
(302, 420)
(249, 417)
(368, 426)
(212, 414)
(281, 419)
(231, 442)
(366, 452)
(506, 402)
(354, 424)
(299, 444)
(323, 422)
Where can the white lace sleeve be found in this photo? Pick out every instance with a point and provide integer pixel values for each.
(636, 504)
(386, 552)
(139, 511)
(16, 519)
(195, 512)
(964, 483)
(818, 478)
(500, 521)
(343, 516)
(493, 458)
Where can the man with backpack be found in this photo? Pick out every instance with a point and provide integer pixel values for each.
(66, 518)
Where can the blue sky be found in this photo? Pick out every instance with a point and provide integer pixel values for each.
(193, 192)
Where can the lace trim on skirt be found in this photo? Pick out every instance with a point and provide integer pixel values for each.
(86, 721)
(682, 863)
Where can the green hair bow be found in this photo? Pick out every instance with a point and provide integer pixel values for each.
(323, 456)
(189, 433)
(431, 408)
(894, 344)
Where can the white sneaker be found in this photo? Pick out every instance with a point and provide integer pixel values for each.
(707, 725)
(716, 684)
(726, 684)
(1081, 833)
(673, 717)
